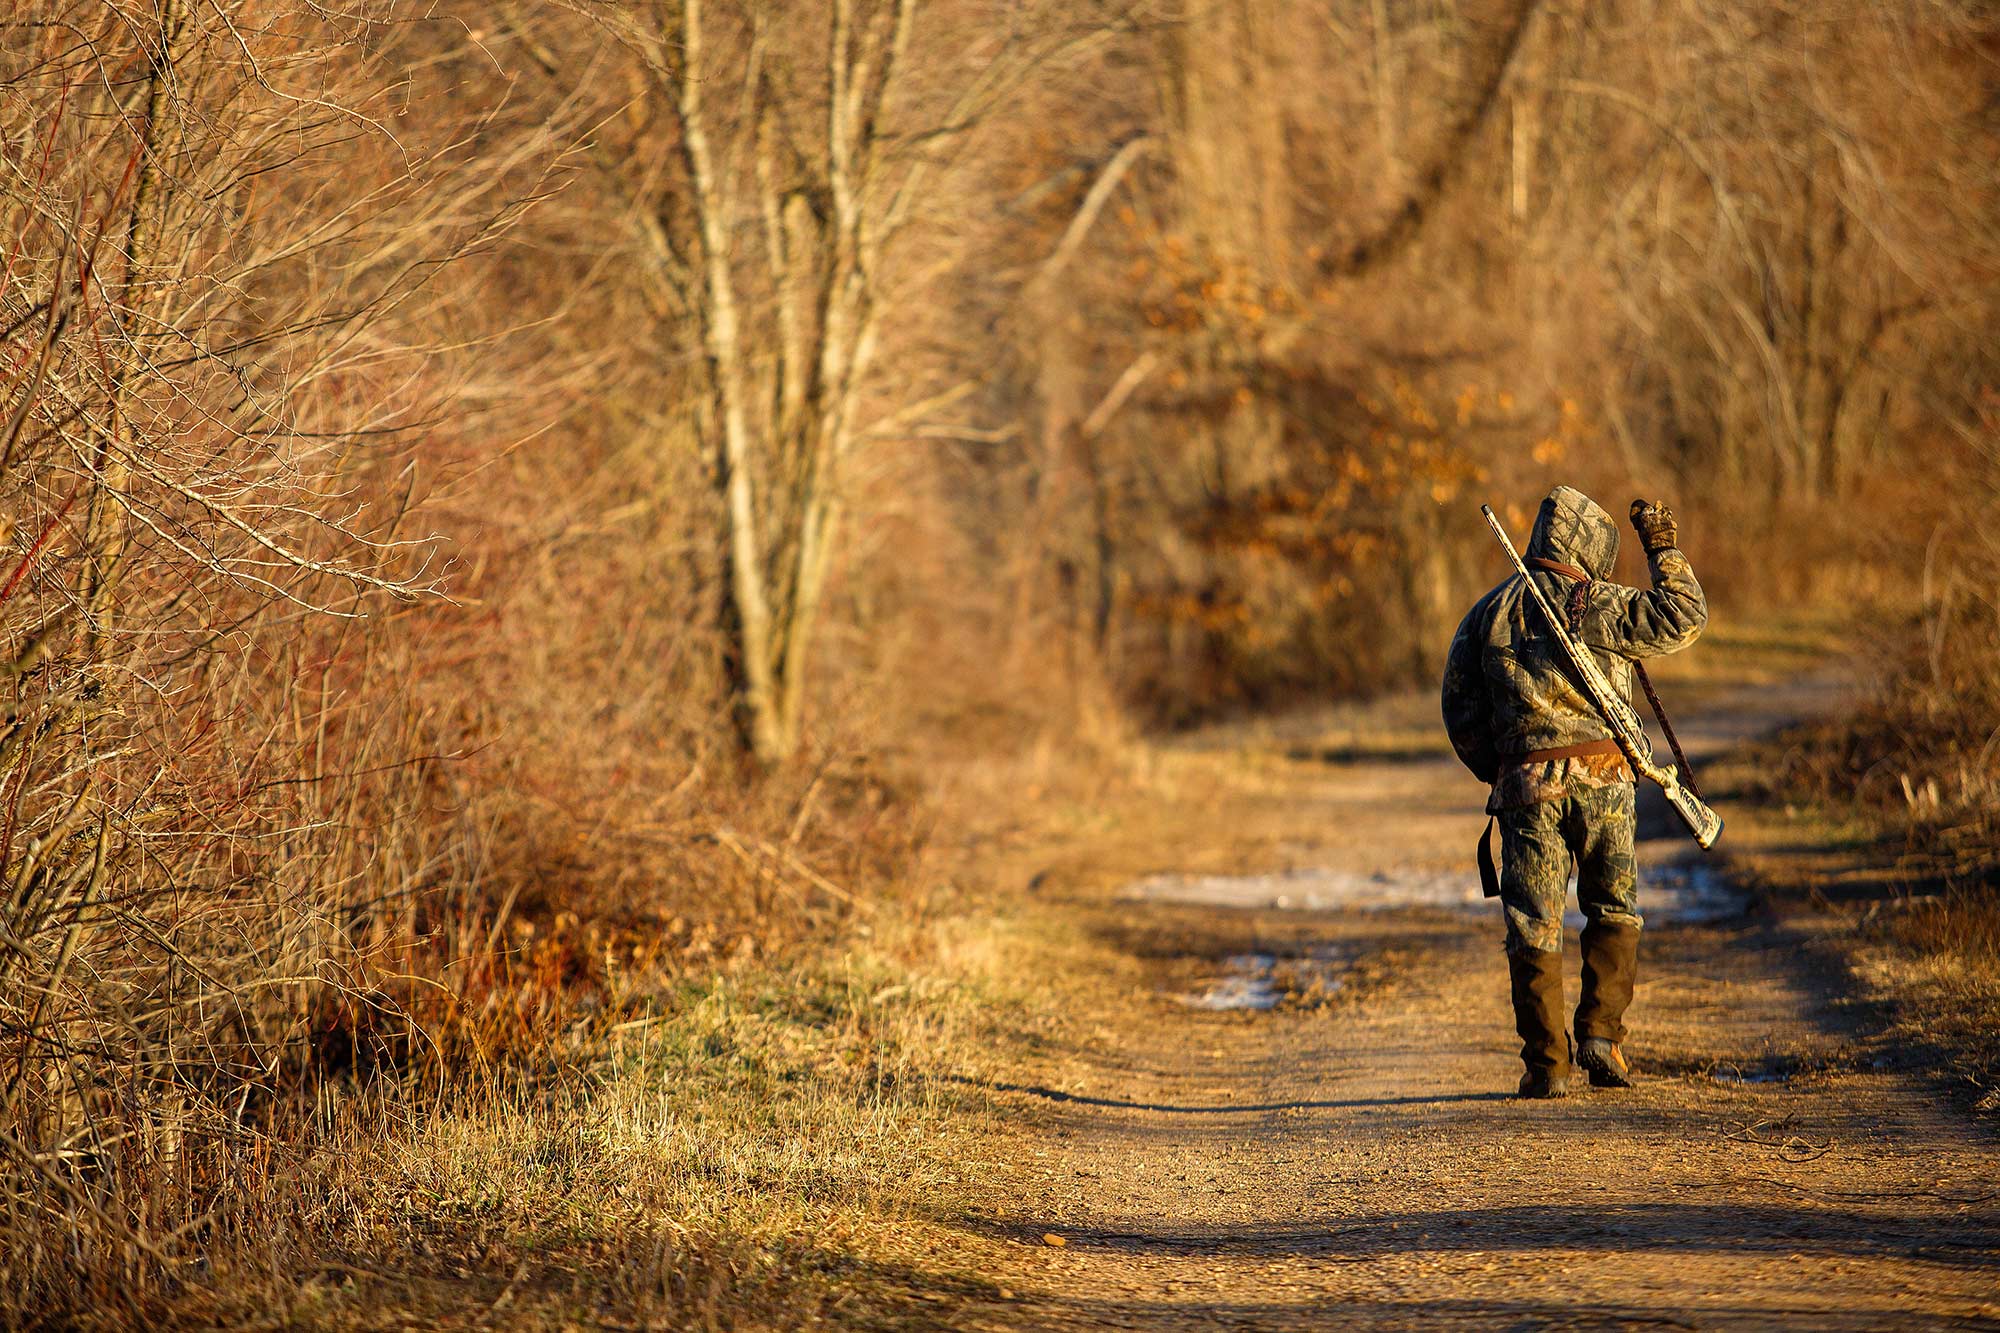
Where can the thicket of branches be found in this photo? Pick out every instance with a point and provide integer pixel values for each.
(219, 274)
(497, 490)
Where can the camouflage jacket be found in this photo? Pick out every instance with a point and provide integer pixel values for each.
(1507, 689)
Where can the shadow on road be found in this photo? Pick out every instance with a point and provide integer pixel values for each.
(1276, 1316)
(1809, 1228)
(1239, 1108)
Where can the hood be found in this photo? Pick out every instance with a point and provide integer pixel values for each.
(1573, 529)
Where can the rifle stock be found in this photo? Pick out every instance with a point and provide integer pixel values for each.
(1703, 823)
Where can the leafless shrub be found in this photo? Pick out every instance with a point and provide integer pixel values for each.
(216, 247)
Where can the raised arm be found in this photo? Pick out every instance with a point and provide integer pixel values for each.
(1649, 622)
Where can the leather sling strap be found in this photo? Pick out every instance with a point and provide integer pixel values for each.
(1558, 567)
(1489, 878)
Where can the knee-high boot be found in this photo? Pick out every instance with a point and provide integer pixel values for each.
(1538, 1017)
(1610, 967)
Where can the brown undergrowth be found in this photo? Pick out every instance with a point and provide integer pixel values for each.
(648, 1110)
(1914, 771)
(642, 1141)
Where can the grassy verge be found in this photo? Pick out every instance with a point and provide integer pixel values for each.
(1891, 811)
(1922, 950)
(735, 1151)
(627, 1120)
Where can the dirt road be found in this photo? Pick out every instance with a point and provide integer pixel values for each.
(1349, 1156)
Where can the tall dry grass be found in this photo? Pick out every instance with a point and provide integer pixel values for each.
(1923, 757)
(1918, 765)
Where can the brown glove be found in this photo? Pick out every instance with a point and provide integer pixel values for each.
(1655, 525)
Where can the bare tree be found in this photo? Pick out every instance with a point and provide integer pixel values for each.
(1790, 220)
(804, 148)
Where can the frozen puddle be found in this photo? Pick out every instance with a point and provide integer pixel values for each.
(1260, 981)
(1689, 892)
(1312, 890)
(1248, 984)
(1684, 891)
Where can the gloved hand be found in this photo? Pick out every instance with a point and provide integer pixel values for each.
(1654, 523)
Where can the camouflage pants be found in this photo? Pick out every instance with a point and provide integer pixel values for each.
(1594, 825)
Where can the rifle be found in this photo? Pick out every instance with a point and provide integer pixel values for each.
(1626, 728)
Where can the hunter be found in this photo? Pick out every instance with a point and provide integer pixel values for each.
(1519, 719)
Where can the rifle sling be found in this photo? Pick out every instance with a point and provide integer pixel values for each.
(1558, 567)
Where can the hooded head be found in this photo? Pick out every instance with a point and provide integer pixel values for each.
(1572, 529)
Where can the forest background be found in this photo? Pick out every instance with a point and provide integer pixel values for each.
(512, 509)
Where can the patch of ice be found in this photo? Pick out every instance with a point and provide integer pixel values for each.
(1260, 981)
(1684, 891)
(1248, 984)
(1312, 890)
(1689, 892)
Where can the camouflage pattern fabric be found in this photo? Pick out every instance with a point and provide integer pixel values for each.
(1508, 689)
(1594, 825)
(1552, 779)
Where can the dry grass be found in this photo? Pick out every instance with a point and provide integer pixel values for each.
(1917, 766)
(728, 1151)
(1935, 956)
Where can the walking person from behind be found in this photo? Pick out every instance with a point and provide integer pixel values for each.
(1520, 719)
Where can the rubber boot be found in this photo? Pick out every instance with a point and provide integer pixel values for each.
(1610, 965)
(1538, 1017)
